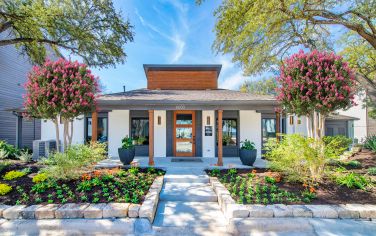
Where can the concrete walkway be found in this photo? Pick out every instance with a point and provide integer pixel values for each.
(165, 162)
(188, 205)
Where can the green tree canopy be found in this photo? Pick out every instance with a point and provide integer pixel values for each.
(265, 86)
(91, 29)
(260, 33)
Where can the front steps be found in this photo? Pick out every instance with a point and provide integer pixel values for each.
(188, 206)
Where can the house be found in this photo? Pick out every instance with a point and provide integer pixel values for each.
(13, 73)
(178, 115)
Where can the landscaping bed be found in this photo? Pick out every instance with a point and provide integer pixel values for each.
(262, 186)
(96, 186)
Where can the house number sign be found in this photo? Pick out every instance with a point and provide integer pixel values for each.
(180, 107)
(208, 130)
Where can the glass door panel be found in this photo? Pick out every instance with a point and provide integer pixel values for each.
(184, 133)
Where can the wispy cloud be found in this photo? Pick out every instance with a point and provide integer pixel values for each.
(233, 81)
(176, 31)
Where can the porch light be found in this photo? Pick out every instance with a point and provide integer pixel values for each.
(159, 120)
(291, 120)
(208, 120)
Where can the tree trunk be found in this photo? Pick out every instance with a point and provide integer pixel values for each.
(71, 133)
(57, 134)
(65, 134)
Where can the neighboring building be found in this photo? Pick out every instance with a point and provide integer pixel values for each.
(178, 115)
(13, 73)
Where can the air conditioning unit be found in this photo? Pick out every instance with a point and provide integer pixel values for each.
(43, 148)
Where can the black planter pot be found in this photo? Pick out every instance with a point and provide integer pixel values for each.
(126, 155)
(248, 157)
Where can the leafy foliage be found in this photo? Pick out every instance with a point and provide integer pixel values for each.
(14, 174)
(353, 180)
(4, 189)
(370, 143)
(74, 161)
(24, 156)
(248, 145)
(40, 177)
(298, 158)
(127, 142)
(315, 81)
(259, 34)
(8, 150)
(91, 29)
(259, 87)
(372, 171)
(336, 145)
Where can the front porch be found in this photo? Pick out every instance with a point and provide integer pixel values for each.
(166, 163)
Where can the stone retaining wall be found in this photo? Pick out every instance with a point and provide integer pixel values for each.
(88, 211)
(231, 209)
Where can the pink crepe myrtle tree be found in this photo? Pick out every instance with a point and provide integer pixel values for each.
(61, 89)
(314, 84)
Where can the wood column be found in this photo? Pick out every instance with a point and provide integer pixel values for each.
(278, 125)
(94, 126)
(151, 137)
(220, 145)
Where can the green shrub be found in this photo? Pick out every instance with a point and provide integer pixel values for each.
(14, 174)
(370, 143)
(74, 161)
(24, 156)
(127, 143)
(4, 189)
(299, 158)
(215, 172)
(3, 154)
(4, 165)
(353, 180)
(9, 149)
(372, 171)
(353, 164)
(336, 145)
(40, 177)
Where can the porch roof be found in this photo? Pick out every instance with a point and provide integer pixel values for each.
(215, 97)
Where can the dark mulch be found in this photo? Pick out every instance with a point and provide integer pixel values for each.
(127, 187)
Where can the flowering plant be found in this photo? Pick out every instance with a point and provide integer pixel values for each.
(62, 89)
(315, 84)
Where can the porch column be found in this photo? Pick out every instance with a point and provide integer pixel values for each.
(94, 126)
(220, 148)
(278, 125)
(151, 137)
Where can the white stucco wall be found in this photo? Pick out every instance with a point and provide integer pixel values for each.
(250, 128)
(208, 142)
(360, 126)
(160, 134)
(296, 127)
(48, 130)
(118, 128)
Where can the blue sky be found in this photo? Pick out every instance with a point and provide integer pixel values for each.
(172, 32)
(168, 32)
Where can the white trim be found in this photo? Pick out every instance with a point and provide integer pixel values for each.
(208, 142)
(160, 144)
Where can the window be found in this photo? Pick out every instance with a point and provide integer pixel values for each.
(140, 130)
(268, 129)
(102, 132)
(229, 132)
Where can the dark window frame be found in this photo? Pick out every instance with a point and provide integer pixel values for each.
(86, 124)
(146, 142)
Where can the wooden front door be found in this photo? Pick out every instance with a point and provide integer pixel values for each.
(184, 134)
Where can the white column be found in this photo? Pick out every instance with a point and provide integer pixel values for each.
(250, 128)
(208, 142)
(160, 133)
(118, 128)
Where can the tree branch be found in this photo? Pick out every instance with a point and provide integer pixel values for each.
(5, 26)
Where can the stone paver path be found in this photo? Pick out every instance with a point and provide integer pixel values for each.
(188, 205)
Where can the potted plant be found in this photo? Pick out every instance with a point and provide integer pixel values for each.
(126, 152)
(248, 153)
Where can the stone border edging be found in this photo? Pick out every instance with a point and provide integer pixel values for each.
(231, 209)
(86, 210)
